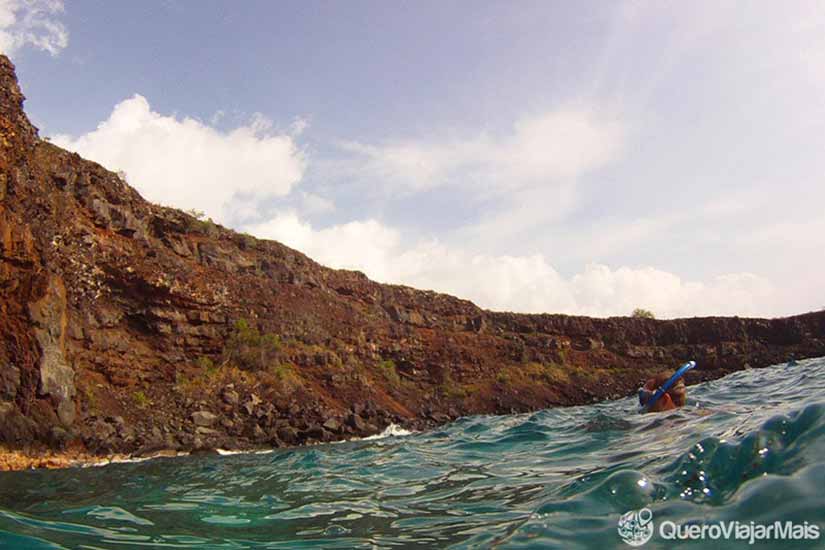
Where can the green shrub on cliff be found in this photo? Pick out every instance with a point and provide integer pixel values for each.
(389, 371)
(535, 373)
(248, 349)
(550, 373)
(640, 313)
(140, 399)
(450, 388)
(286, 378)
(88, 394)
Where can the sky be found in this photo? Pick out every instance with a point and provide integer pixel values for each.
(583, 158)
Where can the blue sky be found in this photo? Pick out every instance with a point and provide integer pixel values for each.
(530, 156)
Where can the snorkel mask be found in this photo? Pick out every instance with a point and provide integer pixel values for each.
(648, 398)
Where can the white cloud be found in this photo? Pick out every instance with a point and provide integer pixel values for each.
(217, 117)
(187, 164)
(298, 126)
(550, 148)
(230, 175)
(600, 289)
(518, 283)
(364, 245)
(315, 204)
(32, 22)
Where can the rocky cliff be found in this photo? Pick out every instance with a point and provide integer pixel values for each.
(130, 327)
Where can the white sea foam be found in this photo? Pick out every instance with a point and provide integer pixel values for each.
(126, 459)
(393, 430)
(230, 452)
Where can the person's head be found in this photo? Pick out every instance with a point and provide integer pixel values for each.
(675, 397)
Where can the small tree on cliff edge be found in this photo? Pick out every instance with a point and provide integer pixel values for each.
(640, 313)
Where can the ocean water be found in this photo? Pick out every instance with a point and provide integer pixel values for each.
(748, 448)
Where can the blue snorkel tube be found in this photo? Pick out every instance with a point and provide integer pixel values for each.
(646, 400)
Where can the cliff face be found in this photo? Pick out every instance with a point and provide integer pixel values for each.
(119, 328)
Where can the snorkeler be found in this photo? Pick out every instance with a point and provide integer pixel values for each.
(664, 392)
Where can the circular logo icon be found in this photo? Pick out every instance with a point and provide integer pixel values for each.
(636, 526)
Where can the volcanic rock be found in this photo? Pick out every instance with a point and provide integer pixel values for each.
(204, 418)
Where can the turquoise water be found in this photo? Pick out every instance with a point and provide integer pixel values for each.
(750, 447)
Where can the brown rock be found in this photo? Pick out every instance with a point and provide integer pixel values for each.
(9, 381)
(356, 423)
(230, 397)
(332, 425)
(288, 435)
(258, 433)
(204, 418)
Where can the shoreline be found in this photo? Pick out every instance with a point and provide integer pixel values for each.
(17, 460)
(76, 455)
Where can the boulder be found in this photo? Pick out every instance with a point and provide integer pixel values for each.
(14, 427)
(67, 412)
(230, 397)
(288, 435)
(101, 436)
(58, 437)
(9, 382)
(201, 447)
(332, 425)
(251, 403)
(315, 432)
(399, 314)
(258, 433)
(204, 418)
(356, 423)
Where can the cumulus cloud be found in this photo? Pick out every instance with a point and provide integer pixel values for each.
(298, 126)
(539, 150)
(187, 164)
(313, 204)
(599, 288)
(526, 283)
(232, 175)
(34, 23)
(364, 245)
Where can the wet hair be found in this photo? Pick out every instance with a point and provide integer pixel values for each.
(677, 392)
